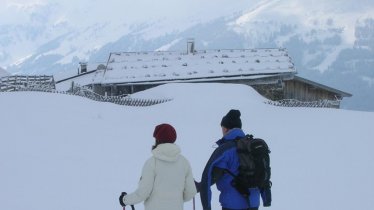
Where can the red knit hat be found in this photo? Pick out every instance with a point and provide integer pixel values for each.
(165, 133)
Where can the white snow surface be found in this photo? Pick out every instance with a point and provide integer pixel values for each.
(65, 152)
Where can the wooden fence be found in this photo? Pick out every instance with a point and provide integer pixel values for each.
(12, 83)
(121, 100)
(44, 84)
(296, 103)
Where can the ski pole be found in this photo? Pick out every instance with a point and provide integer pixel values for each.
(193, 203)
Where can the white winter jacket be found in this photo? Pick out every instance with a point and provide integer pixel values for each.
(166, 181)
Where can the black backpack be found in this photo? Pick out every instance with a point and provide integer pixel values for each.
(254, 168)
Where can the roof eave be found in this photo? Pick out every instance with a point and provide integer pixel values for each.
(342, 93)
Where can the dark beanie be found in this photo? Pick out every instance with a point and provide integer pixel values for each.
(232, 119)
(165, 133)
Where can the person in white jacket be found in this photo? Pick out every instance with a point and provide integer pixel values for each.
(166, 181)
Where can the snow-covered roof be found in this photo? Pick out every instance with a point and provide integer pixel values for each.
(135, 67)
(81, 79)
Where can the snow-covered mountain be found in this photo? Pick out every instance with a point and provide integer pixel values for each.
(3, 72)
(330, 41)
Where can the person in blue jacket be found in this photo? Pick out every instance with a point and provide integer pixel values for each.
(225, 158)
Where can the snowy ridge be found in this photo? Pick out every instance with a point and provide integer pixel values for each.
(315, 22)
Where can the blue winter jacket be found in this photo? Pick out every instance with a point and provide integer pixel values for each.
(225, 157)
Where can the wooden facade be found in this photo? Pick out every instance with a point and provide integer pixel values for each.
(306, 92)
(274, 88)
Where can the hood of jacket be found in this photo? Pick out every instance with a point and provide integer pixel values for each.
(167, 152)
(231, 135)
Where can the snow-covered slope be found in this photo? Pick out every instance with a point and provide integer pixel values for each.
(329, 41)
(66, 152)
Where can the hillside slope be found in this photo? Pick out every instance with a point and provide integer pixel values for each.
(66, 152)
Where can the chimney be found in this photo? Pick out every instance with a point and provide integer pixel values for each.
(83, 67)
(190, 46)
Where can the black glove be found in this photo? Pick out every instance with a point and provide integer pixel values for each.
(121, 199)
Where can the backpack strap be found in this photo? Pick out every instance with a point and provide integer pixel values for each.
(248, 136)
(229, 172)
